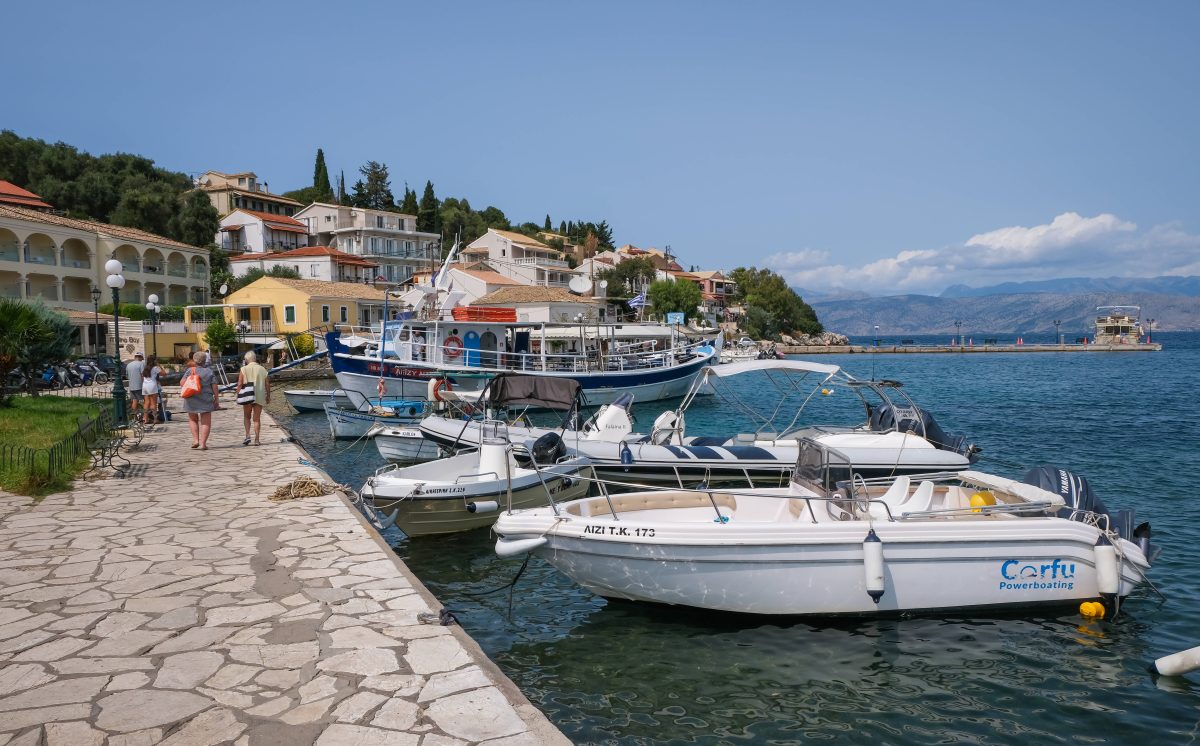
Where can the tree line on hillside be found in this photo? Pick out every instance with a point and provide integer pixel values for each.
(118, 188)
(449, 217)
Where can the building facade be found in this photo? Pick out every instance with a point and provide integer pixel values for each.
(59, 260)
(229, 192)
(311, 262)
(520, 258)
(390, 239)
(250, 231)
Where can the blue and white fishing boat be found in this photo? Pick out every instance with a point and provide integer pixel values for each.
(417, 359)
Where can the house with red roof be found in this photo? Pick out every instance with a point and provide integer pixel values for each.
(312, 262)
(250, 231)
(14, 196)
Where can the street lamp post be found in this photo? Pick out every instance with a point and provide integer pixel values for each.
(96, 293)
(877, 335)
(958, 331)
(1057, 333)
(243, 327)
(116, 281)
(153, 307)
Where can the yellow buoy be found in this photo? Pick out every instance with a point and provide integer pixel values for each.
(1091, 609)
(826, 392)
(980, 499)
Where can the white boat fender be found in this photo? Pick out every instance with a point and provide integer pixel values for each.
(1108, 578)
(873, 565)
(626, 456)
(506, 547)
(1177, 664)
(482, 506)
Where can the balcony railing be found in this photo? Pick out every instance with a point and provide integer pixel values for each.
(416, 254)
(33, 258)
(77, 263)
(255, 327)
(532, 260)
(10, 254)
(200, 273)
(177, 271)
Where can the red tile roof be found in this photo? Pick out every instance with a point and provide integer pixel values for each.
(12, 194)
(339, 257)
(282, 220)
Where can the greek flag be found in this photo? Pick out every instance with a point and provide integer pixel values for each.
(637, 301)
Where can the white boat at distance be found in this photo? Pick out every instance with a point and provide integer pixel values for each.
(898, 436)
(314, 400)
(465, 491)
(1121, 326)
(398, 443)
(831, 543)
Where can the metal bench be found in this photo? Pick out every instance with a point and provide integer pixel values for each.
(103, 443)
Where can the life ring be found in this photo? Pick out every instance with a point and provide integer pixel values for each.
(452, 347)
(437, 386)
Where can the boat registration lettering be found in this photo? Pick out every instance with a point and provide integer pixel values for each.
(618, 531)
(1019, 575)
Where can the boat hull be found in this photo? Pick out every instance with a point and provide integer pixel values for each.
(314, 400)
(405, 444)
(819, 569)
(352, 423)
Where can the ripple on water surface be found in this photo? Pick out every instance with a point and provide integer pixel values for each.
(619, 672)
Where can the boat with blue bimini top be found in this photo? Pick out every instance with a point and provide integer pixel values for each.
(832, 543)
(896, 437)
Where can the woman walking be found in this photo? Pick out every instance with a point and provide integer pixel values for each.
(200, 406)
(150, 391)
(254, 392)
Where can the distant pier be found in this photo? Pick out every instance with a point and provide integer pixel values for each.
(968, 348)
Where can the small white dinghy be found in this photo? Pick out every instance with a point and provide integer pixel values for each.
(403, 443)
(831, 543)
(314, 400)
(466, 491)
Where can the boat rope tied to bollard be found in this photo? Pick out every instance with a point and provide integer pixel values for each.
(1177, 664)
(873, 565)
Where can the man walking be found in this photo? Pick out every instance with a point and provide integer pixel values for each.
(133, 380)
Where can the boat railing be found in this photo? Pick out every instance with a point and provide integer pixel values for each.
(475, 477)
(420, 350)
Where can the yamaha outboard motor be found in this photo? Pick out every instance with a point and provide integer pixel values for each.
(1077, 493)
(887, 417)
(548, 449)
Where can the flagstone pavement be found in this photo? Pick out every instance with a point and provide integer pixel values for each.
(179, 606)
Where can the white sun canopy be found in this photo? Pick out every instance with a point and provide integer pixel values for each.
(725, 370)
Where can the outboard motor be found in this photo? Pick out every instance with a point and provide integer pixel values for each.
(1077, 493)
(612, 423)
(888, 417)
(548, 449)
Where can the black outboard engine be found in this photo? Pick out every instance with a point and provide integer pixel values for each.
(548, 449)
(1077, 493)
(887, 417)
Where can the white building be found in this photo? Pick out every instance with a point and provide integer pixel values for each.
(250, 231)
(229, 192)
(520, 258)
(537, 304)
(312, 262)
(390, 239)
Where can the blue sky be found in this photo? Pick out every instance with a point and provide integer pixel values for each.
(880, 146)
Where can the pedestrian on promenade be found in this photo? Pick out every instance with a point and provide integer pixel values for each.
(150, 391)
(200, 406)
(133, 378)
(253, 393)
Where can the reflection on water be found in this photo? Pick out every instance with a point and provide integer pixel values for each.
(619, 672)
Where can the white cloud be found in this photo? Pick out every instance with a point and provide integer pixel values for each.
(1071, 245)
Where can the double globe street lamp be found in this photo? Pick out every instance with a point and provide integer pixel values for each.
(116, 281)
(96, 293)
(153, 307)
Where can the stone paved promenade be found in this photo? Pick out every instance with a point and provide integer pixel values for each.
(180, 606)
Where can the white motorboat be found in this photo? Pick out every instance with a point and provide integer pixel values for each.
(745, 349)
(831, 543)
(403, 443)
(314, 400)
(466, 491)
(897, 438)
(1120, 327)
(358, 423)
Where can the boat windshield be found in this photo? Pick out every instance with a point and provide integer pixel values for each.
(820, 468)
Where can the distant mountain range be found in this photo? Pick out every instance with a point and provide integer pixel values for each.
(1012, 307)
(1016, 313)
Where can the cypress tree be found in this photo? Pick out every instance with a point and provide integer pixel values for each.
(548, 225)
(321, 178)
(409, 206)
(427, 212)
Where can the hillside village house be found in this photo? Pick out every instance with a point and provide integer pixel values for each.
(250, 231)
(390, 239)
(59, 260)
(270, 306)
(520, 258)
(312, 262)
(717, 291)
(229, 192)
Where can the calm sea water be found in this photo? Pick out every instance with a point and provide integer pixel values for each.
(618, 672)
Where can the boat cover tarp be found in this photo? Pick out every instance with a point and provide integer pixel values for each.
(747, 366)
(533, 391)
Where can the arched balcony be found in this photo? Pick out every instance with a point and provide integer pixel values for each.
(77, 290)
(199, 268)
(132, 292)
(11, 285)
(76, 254)
(40, 249)
(10, 247)
(153, 262)
(41, 286)
(156, 287)
(177, 295)
(177, 265)
(129, 258)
